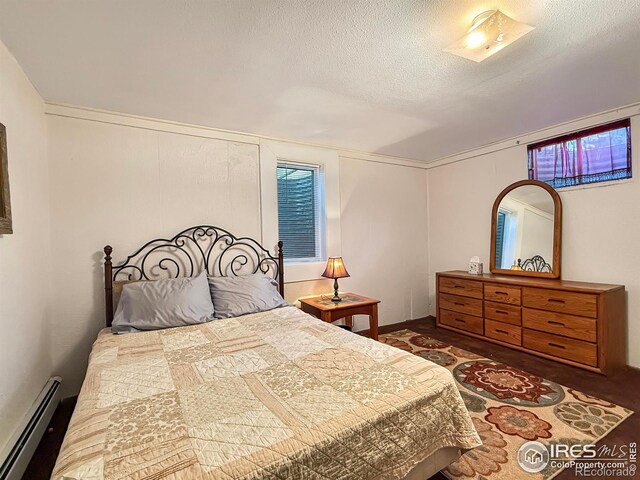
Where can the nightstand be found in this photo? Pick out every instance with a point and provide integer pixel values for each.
(351, 304)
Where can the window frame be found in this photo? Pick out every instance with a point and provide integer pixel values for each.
(578, 135)
(273, 152)
(320, 211)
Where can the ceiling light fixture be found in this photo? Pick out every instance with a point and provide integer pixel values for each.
(490, 32)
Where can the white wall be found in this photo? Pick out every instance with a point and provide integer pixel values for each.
(600, 231)
(25, 362)
(537, 235)
(124, 185)
(384, 240)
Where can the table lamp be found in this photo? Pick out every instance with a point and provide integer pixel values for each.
(335, 269)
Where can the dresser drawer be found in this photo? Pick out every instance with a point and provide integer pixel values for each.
(502, 294)
(559, 323)
(583, 304)
(502, 312)
(456, 286)
(462, 321)
(455, 303)
(503, 331)
(568, 348)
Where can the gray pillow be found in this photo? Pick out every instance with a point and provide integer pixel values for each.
(170, 302)
(234, 296)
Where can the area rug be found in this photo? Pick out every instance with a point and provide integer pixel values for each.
(509, 407)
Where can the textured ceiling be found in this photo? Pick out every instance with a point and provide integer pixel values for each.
(361, 74)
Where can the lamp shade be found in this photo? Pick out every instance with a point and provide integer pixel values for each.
(335, 268)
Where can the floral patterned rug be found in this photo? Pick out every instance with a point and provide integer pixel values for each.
(509, 407)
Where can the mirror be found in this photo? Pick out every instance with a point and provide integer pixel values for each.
(526, 225)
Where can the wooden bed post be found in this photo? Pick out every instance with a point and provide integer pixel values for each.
(108, 284)
(280, 269)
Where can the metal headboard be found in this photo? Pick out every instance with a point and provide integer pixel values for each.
(535, 264)
(203, 247)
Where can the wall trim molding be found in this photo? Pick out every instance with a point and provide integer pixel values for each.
(540, 135)
(148, 123)
(168, 126)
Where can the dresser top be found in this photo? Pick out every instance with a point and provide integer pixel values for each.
(534, 282)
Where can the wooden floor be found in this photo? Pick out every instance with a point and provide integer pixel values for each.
(622, 388)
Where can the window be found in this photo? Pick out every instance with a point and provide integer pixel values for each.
(301, 211)
(500, 237)
(507, 237)
(598, 154)
(275, 159)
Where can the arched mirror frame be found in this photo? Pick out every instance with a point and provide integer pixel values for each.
(557, 232)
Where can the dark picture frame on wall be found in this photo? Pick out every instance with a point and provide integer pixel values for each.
(6, 225)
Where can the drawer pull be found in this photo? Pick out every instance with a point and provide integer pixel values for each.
(556, 345)
(501, 293)
(556, 300)
(553, 322)
(459, 303)
(458, 286)
(502, 312)
(459, 320)
(502, 331)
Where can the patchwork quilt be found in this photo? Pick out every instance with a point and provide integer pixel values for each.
(272, 395)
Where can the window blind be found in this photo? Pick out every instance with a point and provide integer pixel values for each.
(299, 211)
(500, 239)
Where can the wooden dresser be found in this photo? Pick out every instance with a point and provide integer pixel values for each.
(581, 324)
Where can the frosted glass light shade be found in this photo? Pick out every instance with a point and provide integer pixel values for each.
(491, 32)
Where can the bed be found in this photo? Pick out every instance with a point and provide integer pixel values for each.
(270, 395)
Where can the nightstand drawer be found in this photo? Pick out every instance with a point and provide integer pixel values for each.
(503, 331)
(455, 303)
(461, 321)
(583, 304)
(502, 312)
(502, 294)
(581, 352)
(561, 324)
(456, 286)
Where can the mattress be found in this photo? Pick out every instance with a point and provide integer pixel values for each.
(272, 395)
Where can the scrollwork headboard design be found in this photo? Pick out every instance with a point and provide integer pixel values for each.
(203, 247)
(535, 264)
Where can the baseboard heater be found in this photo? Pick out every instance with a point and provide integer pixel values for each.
(33, 427)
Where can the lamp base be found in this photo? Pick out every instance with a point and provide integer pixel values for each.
(336, 298)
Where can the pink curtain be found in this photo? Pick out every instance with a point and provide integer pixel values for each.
(594, 155)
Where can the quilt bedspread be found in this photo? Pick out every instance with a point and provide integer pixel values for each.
(272, 395)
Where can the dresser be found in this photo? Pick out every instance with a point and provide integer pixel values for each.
(577, 323)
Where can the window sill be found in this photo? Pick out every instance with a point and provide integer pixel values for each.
(610, 183)
(303, 271)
